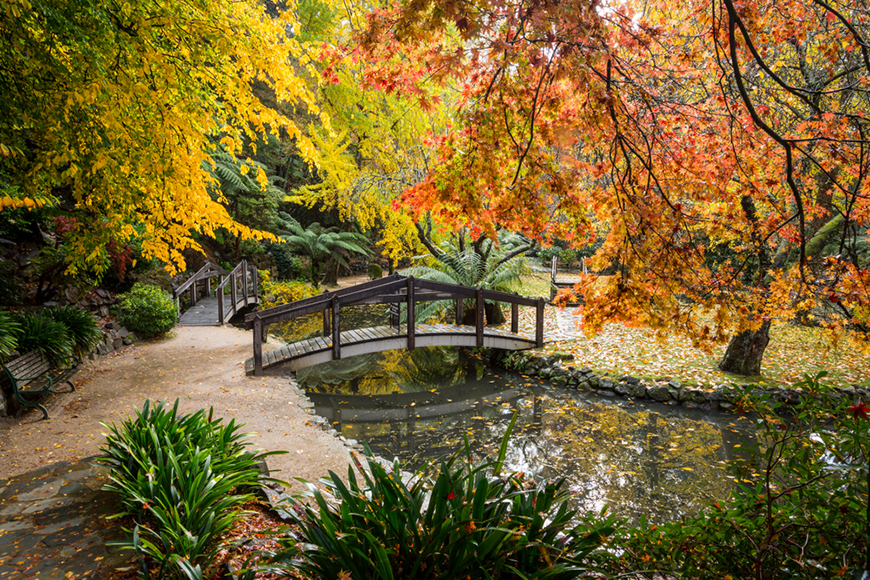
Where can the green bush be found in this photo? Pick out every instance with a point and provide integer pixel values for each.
(182, 477)
(147, 310)
(801, 507)
(454, 521)
(81, 326)
(9, 330)
(289, 267)
(41, 333)
(375, 271)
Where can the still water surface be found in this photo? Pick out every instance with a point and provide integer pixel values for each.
(639, 459)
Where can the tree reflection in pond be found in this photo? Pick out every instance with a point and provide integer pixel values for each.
(638, 459)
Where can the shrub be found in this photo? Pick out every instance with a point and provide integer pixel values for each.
(800, 510)
(453, 521)
(81, 326)
(147, 310)
(43, 334)
(375, 271)
(9, 330)
(277, 293)
(182, 478)
(289, 267)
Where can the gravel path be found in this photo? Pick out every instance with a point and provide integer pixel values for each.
(202, 367)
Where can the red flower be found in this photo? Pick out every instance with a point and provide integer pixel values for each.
(451, 495)
(859, 410)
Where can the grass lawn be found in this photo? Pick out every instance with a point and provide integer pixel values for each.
(793, 351)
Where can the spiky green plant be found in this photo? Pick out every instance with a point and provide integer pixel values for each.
(9, 331)
(184, 479)
(453, 520)
(81, 326)
(321, 244)
(41, 333)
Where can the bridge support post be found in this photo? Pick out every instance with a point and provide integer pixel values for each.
(255, 283)
(220, 299)
(412, 321)
(460, 311)
(553, 279)
(515, 316)
(233, 292)
(478, 327)
(326, 315)
(539, 323)
(336, 328)
(245, 280)
(208, 286)
(258, 347)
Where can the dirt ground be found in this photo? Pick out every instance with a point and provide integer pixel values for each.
(202, 367)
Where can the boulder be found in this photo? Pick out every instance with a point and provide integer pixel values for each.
(621, 389)
(659, 393)
(638, 390)
(605, 384)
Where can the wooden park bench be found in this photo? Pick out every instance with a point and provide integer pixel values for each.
(32, 378)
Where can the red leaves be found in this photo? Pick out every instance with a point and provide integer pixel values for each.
(859, 411)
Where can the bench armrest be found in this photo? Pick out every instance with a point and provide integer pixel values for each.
(73, 363)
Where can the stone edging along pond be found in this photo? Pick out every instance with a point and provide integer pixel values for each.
(555, 369)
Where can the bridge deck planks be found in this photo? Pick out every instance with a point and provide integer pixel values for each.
(205, 311)
(318, 347)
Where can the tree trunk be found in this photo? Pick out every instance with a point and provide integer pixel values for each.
(743, 356)
(331, 273)
(491, 312)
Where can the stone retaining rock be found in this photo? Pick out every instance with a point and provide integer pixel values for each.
(668, 391)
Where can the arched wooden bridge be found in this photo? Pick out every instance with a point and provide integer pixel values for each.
(234, 291)
(394, 290)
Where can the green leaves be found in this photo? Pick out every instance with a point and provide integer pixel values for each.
(148, 310)
(180, 476)
(452, 520)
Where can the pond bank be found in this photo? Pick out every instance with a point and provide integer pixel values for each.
(557, 369)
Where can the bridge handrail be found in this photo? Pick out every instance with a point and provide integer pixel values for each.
(394, 289)
(326, 296)
(209, 270)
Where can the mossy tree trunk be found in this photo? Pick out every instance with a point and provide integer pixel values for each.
(744, 353)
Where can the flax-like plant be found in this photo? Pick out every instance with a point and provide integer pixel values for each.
(81, 326)
(183, 478)
(45, 335)
(453, 520)
(9, 329)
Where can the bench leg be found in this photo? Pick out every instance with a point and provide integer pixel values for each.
(39, 405)
(71, 386)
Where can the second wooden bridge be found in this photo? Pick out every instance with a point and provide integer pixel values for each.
(395, 290)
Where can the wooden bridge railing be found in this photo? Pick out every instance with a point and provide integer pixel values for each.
(242, 282)
(393, 290)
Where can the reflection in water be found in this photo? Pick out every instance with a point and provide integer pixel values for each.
(352, 317)
(639, 459)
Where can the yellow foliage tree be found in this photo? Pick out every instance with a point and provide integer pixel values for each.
(107, 108)
(380, 145)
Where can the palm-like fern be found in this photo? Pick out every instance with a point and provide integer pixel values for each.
(479, 265)
(320, 243)
(237, 186)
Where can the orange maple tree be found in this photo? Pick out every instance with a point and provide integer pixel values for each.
(722, 145)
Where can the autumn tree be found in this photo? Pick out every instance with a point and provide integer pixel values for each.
(723, 145)
(108, 110)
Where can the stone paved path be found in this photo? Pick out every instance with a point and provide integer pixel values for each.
(53, 524)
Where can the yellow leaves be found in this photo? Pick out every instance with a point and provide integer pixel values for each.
(8, 202)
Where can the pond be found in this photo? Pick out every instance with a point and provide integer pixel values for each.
(636, 458)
